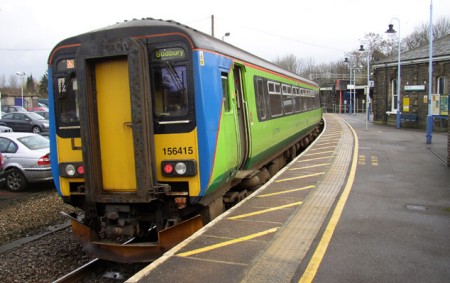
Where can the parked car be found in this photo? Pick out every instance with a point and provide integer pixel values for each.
(44, 113)
(5, 129)
(25, 122)
(37, 108)
(43, 101)
(13, 108)
(2, 171)
(26, 159)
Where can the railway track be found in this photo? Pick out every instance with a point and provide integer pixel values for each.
(98, 270)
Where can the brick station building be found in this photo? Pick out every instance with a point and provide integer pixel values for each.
(414, 88)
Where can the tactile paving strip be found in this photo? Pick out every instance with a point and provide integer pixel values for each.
(280, 261)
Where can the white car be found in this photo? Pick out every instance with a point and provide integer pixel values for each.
(5, 129)
(26, 159)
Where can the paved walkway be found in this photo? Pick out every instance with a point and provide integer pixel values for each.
(380, 213)
(396, 223)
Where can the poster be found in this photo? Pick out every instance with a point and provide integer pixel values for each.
(444, 105)
(406, 104)
(435, 104)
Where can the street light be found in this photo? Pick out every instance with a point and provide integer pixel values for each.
(361, 49)
(21, 75)
(391, 30)
(350, 64)
(355, 104)
(226, 34)
(430, 79)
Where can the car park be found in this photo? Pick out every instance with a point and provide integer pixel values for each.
(26, 159)
(25, 122)
(13, 108)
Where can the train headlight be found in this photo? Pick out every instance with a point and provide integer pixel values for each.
(71, 170)
(178, 168)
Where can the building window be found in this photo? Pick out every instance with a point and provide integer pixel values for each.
(394, 96)
(442, 85)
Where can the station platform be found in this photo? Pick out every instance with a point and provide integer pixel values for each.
(358, 206)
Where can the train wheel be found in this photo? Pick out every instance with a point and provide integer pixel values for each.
(15, 180)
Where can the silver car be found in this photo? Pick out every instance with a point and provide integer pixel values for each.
(26, 159)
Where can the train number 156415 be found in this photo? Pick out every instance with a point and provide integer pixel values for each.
(178, 150)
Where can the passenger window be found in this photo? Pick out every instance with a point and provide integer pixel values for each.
(275, 99)
(225, 92)
(297, 99)
(260, 98)
(287, 99)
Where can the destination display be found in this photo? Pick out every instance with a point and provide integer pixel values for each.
(169, 54)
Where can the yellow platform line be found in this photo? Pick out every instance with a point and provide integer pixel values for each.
(316, 260)
(374, 160)
(227, 243)
(328, 143)
(309, 167)
(331, 135)
(265, 210)
(286, 191)
(321, 148)
(329, 140)
(362, 160)
(300, 177)
(313, 159)
(317, 153)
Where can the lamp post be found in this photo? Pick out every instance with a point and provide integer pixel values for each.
(21, 75)
(350, 64)
(391, 30)
(361, 49)
(430, 79)
(226, 34)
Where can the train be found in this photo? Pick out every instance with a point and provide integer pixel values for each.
(156, 128)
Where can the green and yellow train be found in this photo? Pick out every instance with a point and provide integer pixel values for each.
(153, 123)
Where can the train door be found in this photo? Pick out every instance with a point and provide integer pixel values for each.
(241, 110)
(114, 125)
(116, 121)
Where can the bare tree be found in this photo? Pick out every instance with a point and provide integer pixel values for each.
(308, 66)
(2, 81)
(288, 62)
(13, 81)
(379, 47)
(420, 36)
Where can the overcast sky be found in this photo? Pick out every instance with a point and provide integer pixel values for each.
(319, 29)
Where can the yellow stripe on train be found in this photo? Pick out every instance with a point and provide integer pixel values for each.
(182, 146)
(69, 150)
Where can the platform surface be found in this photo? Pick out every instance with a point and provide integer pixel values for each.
(359, 206)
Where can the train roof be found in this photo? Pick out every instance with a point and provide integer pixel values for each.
(199, 39)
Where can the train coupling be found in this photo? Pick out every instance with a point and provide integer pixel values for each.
(134, 252)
